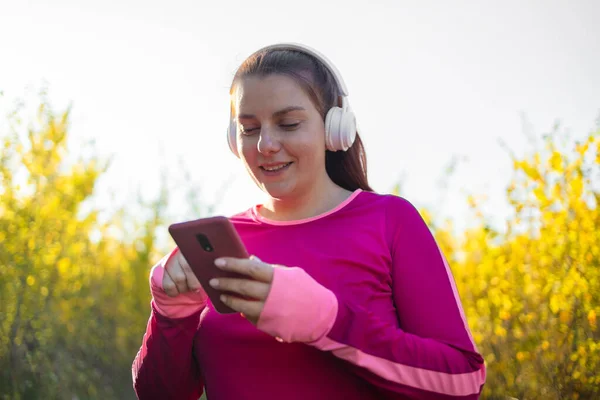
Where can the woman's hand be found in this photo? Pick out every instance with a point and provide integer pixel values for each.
(178, 277)
(176, 292)
(285, 302)
(252, 291)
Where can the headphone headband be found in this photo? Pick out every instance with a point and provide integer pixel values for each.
(319, 56)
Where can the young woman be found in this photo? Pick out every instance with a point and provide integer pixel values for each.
(352, 296)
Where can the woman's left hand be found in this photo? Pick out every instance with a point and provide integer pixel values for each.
(257, 286)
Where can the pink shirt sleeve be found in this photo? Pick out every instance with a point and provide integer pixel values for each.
(164, 367)
(430, 355)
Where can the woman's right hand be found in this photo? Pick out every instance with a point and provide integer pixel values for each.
(176, 292)
(178, 277)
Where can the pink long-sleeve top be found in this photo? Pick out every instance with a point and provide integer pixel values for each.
(369, 310)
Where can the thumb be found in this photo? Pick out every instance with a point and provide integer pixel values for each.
(156, 276)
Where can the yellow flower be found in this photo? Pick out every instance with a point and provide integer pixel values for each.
(582, 148)
(592, 317)
(500, 331)
(564, 316)
(556, 161)
(545, 345)
(576, 187)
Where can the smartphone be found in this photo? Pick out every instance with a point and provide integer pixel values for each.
(202, 241)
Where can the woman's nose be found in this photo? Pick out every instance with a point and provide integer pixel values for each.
(268, 141)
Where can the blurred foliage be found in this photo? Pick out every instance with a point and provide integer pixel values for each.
(73, 292)
(532, 292)
(74, 298)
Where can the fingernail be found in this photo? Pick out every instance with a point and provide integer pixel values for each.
(223, 298)
(219, 262)
(214, 282)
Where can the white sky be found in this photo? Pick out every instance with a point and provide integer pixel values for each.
(428, 80)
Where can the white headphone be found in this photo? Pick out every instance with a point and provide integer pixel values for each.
(340, 122)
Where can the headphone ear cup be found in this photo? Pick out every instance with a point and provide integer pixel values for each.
(347, 129)
(340, 129)
(231, 137)
(332, 125)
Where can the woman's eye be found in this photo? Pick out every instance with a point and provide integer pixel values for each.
(290, 126)
(248, 131)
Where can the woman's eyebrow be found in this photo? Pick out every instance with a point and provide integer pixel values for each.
(276, 113)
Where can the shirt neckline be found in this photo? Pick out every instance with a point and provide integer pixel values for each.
(256, 215)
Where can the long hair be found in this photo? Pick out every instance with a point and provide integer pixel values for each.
(347, 169)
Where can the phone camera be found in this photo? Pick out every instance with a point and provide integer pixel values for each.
(204, 242)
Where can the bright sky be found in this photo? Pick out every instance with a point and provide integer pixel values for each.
(428, 80)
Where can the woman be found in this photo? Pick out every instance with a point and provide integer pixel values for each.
(352, 298)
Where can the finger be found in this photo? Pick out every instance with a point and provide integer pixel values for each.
(245, 287)
(250, 309)
(169, 286)
(192, 282)
(167, 283)
(177, 275)
(252, 267)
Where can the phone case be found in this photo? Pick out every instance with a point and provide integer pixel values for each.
(202, 241)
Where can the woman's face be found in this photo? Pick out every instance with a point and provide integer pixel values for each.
(281, 135)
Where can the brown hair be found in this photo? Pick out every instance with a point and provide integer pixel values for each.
(347, 169)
